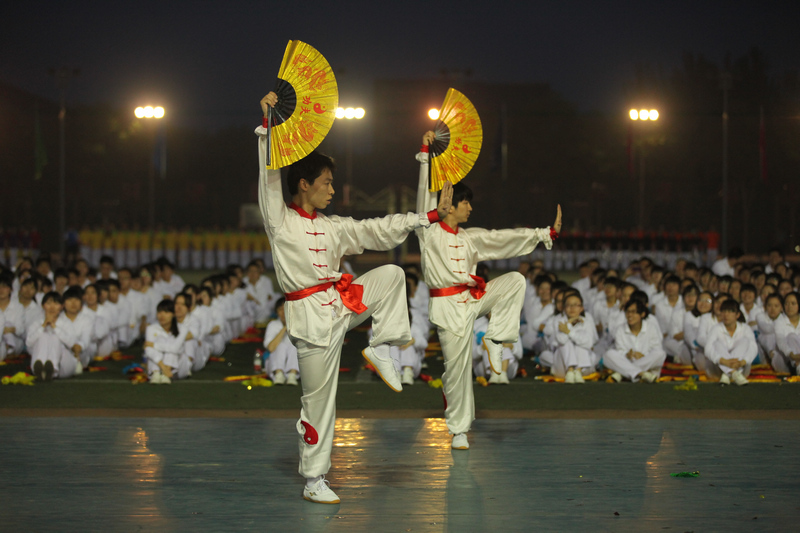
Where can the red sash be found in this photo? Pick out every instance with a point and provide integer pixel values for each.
(477, 291)
(352, 295)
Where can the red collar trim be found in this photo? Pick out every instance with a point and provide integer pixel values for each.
(301, 211)
(448, 229)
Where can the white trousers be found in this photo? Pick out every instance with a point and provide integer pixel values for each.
(739, 351)
(408, 357)
(385, 298)
(782, 362)
(284, 358)
(50, 348)
(678, 350)
(617, 361)
(568, 355)
(481, 367)
(504, 297)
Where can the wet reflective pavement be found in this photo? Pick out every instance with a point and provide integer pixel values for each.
(217, 474)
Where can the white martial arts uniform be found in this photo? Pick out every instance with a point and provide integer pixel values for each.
(32, 314)
(604, 317)
(284, 356)
(168, 349)
(768, 342)
(54, 345)
(98, 330)
(264, 304)
(306, 251)
(647, 342)
(722, 345)
(449, 259)
(191, 347)
(107, 343)
(675, 348)
(787, 338)
(691, 330)
(531, 337)
(14, 315)
(574, 349)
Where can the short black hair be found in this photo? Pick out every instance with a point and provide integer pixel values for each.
(107, 259)
(280, 301)
(309, 168)
(732, 305)
(73, 292)
(640, 307)
(748, 287)
(52, 295)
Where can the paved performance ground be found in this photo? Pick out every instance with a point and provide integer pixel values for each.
(156, 474)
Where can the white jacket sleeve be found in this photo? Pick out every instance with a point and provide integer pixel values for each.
(505, 243)
(270, 189)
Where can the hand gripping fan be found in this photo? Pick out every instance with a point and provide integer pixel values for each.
(307, 100)
(458, 136)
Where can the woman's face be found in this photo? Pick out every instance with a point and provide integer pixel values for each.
(52, 308)
(790, 306)
(544, 291)
(704, 303)
(773, 308)
(205, 298)
(690, 300)
(90, 296)
(165, 319)
(181, 310)
(573, 307)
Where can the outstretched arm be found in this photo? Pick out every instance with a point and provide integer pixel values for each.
(270, 191)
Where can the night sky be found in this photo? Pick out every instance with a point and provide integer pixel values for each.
(212, 61)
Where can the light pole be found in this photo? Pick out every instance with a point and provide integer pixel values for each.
(349, 113)
(62, 76)
(150, 112)
(642, 115)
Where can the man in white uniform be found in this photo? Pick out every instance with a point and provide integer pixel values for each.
(449, 259)
(322, 304)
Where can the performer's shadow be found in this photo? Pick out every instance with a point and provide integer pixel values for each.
(464, 497)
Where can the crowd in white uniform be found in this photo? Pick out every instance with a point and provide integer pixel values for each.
(681, 315)
(66, 318)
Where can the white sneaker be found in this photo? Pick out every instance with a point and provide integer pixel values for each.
(495, 351)
(724, 379)
(504, 378)
(291, 379)
(578, 375)
(616, 376)
(378, 357)
(320, 493)
(78, 368)
(569, 377)
(739, 378)
(648, 377)
(495, 378)
(408, 376)
(159, 378)
(460, 442)
(278, 378)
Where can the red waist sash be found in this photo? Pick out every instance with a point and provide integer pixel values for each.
(352, 295)
(477, 291)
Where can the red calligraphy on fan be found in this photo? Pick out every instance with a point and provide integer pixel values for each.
(458, 140)
(305, 72)
(318, 80)
(459, 118)
(305, 130)
(286, 151)
(469, 126)
(299, 58)
(287, 139)
(306, 100)
(304, 110)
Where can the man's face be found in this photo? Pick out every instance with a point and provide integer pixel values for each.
(105, 270)
(461, 211)
(73, 306)
(672, 289)
(82, 267)
(124, 281)
(633, 317)
(321, 191)
(774, 258)
(43, 268)
(113, 294)
(5, 292)
(253, 273)
(28, 291)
